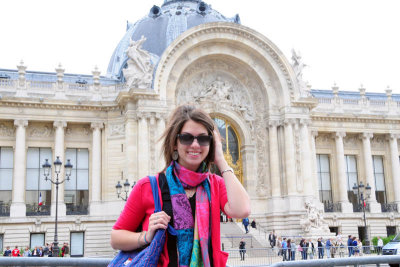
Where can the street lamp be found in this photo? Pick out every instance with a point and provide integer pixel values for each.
(118, 186)
(359, 191)
(47, 172)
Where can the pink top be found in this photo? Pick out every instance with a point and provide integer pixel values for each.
(140, 205)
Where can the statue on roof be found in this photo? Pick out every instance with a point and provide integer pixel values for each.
(139, 72)
(298, 67)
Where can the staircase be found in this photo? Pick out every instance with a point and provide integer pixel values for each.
(233, 232)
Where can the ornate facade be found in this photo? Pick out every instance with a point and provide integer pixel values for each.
(296, 150)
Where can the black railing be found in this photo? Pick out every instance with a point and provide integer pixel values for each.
(359, 207)
(36, 210)
(77, 210)
(389, 207)
(4, 209)
(332, 207)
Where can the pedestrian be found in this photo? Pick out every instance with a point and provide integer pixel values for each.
(253, 224)
(320, 245)
(272, 239)
(15, 252)
(7, 252)
(310, 249)
(65, 250)
(27, 252)
(380, 245)
(350, 245)
(328, 246)
(284, 249)
(245, 223)
(354, 245)
(359, 247)
(242, 249)
(303, 249)
(279, 245)
(191, 143)
(293, 249)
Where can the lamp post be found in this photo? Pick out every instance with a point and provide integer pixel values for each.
(359, 191)
(47, 172)
(118, 186)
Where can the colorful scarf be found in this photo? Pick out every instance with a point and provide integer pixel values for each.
(193, 235)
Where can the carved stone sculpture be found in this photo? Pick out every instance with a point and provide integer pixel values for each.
(298, 67)
(139, 72)
(313, 221)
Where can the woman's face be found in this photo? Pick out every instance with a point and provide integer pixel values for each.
(191, 156)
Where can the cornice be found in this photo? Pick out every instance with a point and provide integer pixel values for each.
(308, 102)
(67, 105)
(348, 119)
(135, 94)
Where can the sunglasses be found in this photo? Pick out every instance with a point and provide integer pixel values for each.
(187, 139)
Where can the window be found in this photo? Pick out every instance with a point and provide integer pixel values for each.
(380, 191)
(324, 178)
(6, 175)
(76, 194)
(77, 244)
(37, 240)
(352, 178)
(391, 230)
(38, 190)
(1, 242)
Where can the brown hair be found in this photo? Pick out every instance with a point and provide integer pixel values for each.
(178, 118)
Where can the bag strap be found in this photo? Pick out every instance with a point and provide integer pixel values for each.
(156, 197)
(157, 204)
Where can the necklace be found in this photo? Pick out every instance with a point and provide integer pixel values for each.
(190, 192)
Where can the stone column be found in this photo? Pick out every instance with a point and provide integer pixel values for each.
(341, 173)
(314, 134)
(143, 151)
(131, 132)
(369, 171)
(18, 207)
(96, 161)
(160, 127)
(59, 150)
(394, 157)
(306, 164)
(290, 165)
(274, 159)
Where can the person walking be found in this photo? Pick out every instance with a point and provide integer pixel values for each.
(272, 239)
(242, 249)
(328, 246)
(7, 252)
(320, 245)
(15, 252)
(284, 249)
(349, 245)
(380, 245)
(293, 248)
(245, 223)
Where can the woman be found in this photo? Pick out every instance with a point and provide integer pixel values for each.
(190, 145)
(355, 246)
(310, 249)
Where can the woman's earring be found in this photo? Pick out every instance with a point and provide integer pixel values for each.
(175, 155)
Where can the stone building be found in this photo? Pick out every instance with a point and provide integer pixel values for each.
(298, 151)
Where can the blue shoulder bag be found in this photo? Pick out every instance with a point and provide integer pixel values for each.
(147, 256)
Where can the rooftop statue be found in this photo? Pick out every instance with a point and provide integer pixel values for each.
(139, 72)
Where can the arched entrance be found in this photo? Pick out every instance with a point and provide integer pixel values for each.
(231, 146)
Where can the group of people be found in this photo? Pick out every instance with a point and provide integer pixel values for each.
(37, 251)
(309, 249)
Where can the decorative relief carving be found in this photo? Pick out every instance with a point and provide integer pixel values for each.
(313, 220)
(6, 130)
(378, 142)
(78, 131)
(351, 141)
(139, 72)
(40, 131)
(323, 139)
(116, 129)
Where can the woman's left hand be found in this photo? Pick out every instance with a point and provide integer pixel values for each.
(218, 152)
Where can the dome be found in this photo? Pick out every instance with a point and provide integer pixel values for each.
(160, 27)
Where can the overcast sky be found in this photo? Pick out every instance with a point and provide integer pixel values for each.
(350, 42)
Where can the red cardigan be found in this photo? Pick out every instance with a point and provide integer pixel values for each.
(140, 206)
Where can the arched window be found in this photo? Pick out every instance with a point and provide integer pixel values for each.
(231, 147)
